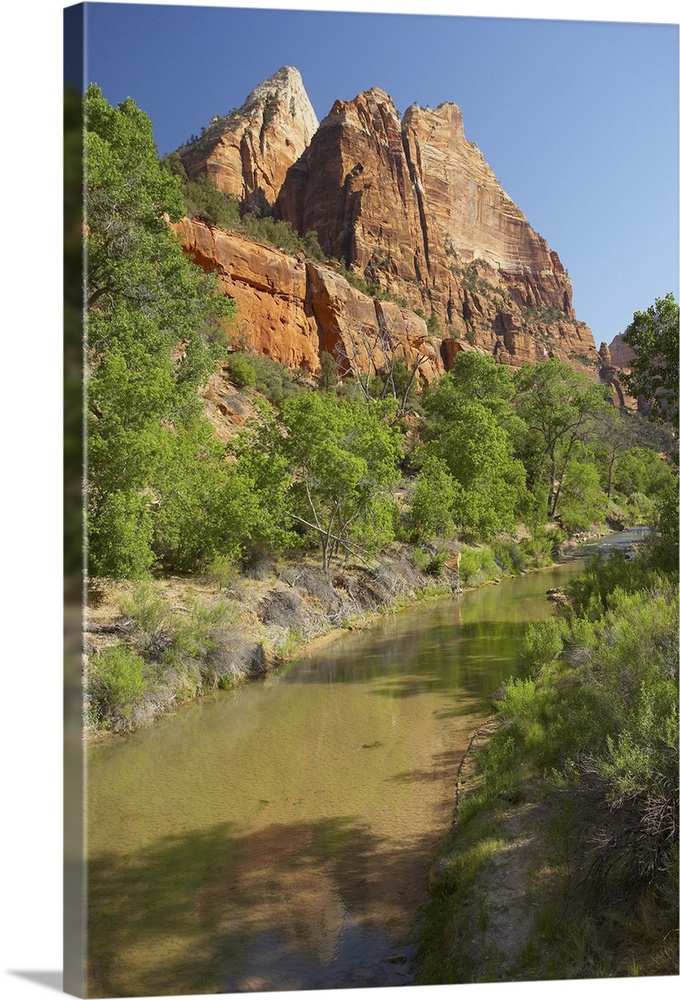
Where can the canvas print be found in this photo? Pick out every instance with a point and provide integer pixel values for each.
(372, 546)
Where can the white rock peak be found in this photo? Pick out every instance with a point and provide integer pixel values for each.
(286, 84)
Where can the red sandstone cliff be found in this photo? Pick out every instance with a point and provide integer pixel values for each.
(413, 206)
(291, 309)
(408, 204)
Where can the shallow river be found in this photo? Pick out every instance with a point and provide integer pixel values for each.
(279, 836)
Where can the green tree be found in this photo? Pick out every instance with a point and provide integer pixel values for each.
(559, 406)
(653, 335)
(327, 377)
(262, 476)
(478, 452)
(435, 497)
(474, 377)
(643, 471)
(153, 336)
(342, 456)
(582, 498)
(611, 436)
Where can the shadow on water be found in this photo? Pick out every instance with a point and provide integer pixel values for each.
(444, 765)
(480, 629)
(474, 658)
(210, 910)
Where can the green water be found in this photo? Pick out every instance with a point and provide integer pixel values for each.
(279, 836)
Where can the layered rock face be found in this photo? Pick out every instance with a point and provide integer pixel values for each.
(414, 207)
(291, 310)
(409, 205)
(353, 186)
(469, 214)
(248, 152)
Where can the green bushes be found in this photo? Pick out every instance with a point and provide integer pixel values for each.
(604, 574)
(255, 371)
(543, 547)
(431, 563)
(601, 714)
(171, 653)
(204, 201)
(590, 737)
(476, 566)
(543, 642)
(117, 679)
(241, 371)
(512, 557)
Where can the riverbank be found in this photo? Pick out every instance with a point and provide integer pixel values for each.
(283, 832)
(561, 862)
(153, 645)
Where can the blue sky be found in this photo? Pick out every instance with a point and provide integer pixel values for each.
(578, 119)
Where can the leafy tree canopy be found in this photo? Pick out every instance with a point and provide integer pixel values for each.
(153, 336)
(479, 456)
(653, 335)
(559, 406)
(342, 455)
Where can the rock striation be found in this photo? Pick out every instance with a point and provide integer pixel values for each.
(248, 152)
(405, 203)
(292, 310)
(413, 206)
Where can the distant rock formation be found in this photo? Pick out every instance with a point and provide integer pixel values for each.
(620, 357)
(620, 353)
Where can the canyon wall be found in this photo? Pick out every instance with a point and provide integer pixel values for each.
(408, 206)
(412, 206)
(291, 310)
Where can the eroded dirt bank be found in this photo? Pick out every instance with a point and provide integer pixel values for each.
(199, 633)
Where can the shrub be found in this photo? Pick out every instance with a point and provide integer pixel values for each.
(641, 509)
(542, 643)
(604, 573)
(120, 535)
(312, 247)
(202, 199)
(431, 563)
(241, 371)
(116, 680)
(476, 566)
(145, 606)
(509, 556)
(221, 571)
(432, 499)
(272, 378)
(497, 758)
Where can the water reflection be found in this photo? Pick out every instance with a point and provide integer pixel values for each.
(279, 836)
